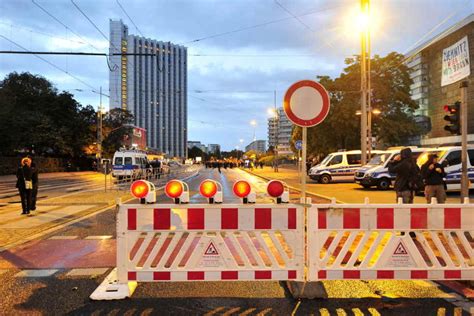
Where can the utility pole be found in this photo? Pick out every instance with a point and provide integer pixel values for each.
(364, 7)
(99, 130)
(464, 173)
(277, 122)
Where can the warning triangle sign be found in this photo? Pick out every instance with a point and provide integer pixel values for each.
(211, 250)
(400, 250)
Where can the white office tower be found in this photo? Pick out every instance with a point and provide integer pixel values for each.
(152, 86)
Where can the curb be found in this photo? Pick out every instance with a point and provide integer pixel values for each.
(73, 221)
(297, 189)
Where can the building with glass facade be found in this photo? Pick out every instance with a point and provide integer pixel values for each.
(431, 64)
(149, 79)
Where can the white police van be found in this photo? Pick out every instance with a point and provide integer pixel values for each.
(338, 166)
(375, 172)
(130, 164)
(450, 158)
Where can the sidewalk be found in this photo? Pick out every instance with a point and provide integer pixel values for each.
(345, 192)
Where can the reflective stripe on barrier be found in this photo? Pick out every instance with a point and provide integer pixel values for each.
(370, 241)
(210, 242)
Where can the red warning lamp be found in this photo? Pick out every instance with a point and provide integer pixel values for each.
(241, 188)
(139, 189)
(208, 188)
(275, 188)
(174, 189)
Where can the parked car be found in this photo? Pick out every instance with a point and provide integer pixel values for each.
(375, 173)
(338, 166)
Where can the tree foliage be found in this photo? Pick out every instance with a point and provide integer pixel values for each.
(35, 116)
(115, 126)
(390, 85)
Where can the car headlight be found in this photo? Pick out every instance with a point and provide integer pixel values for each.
(368, 175)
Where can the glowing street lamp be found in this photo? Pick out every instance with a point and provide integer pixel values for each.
(254, 124)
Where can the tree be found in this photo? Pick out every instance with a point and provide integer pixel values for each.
(35, 116)
(116, 126)
(196, 152)
(390, 82)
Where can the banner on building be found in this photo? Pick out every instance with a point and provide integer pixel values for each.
(456, 64)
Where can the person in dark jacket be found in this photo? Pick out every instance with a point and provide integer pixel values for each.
(406, 169)
(433, 175)
(24, 184)
(34, 191)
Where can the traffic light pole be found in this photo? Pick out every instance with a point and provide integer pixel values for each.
(464, 172)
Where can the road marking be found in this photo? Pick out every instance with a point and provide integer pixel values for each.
(231, 311)
(214, 311)
(87, 272)
(293, 313)
(75, 220)
(265, 311)
(248, 311)
(63, 237)
(36, 273)
(100, 237)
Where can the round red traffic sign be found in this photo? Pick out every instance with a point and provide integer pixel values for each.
(306, 103)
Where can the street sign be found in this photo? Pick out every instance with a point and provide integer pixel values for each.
(306, 103)
(299, 144)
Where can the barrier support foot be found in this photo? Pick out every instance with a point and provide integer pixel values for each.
(308, 290)
(110, 289)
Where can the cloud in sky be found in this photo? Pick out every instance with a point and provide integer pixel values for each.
(232, 76)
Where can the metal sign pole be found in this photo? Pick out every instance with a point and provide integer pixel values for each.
(303, 164)
(464, 173)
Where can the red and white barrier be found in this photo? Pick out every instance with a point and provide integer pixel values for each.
(206, 243)
(392, 241)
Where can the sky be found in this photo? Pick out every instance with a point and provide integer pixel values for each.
(240, 51)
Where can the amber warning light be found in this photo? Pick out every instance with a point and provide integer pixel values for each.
(139, 189)
(276, 189)
(241, 188)
(208, 188)
(174, 189)
(144, 190)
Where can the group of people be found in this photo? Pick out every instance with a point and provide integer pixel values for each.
(27, 184)
(411, 179)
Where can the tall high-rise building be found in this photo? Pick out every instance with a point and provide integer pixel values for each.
(279, 132)
(150, 81)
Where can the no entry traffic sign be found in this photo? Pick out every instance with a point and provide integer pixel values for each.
(306, 103)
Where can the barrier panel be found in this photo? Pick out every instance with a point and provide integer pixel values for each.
(202, 242)
(393, 241)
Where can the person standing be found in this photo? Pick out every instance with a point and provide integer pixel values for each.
(34, 191)
(25, 184)
(433, 174)
(407, 172)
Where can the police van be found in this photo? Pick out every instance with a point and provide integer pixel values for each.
(450, 158)
(375, 172)
(338, 166)
(130, 164)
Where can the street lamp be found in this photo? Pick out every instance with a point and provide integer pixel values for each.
(254, 124)
(366, 111)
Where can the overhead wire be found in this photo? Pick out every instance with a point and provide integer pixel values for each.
(131, 20)
(245, 28)
(64, 25)
(51, 64)
(294, 16)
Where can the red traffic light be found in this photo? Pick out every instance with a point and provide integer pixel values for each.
(208, 188)
(275, 188)
(139, 189)
(174, 189)
(241, 188)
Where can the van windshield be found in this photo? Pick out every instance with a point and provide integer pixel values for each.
(379, 159)
(325, 160)
(118, 161)
(420, 161)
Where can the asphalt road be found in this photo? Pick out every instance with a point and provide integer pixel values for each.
(61, 293)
